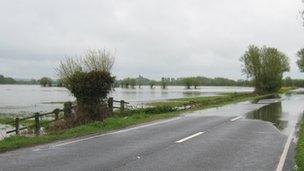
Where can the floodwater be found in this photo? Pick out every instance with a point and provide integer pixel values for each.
(19, 99)
(283, 113)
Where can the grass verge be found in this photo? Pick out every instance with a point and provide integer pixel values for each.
(161, 110)
(300, 148)
(205, 102)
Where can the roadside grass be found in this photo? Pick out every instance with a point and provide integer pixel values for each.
(203, 102)
(157, 111)
(300, 148)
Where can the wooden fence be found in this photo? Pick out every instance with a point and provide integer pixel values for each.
(112, 104)
(37, 121)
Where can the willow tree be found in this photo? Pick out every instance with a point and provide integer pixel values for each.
(45, 81)
(163, 83)
(132, 82)
(265, 66)
(300, 61)
(89, 79)
(152, 83)
(188, 81)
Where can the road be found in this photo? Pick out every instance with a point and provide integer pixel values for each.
(195, 141)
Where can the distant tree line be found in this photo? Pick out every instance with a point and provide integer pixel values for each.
(7, 80)
(188, 82)
(44, 81)
(289, 82)
(195, 82)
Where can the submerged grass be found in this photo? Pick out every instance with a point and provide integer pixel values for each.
(5, 120)
(159, 110)
(286, 89)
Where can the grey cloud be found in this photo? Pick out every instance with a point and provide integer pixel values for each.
(153, 38)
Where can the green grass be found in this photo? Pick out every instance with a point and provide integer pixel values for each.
(204, 102)
(161, 110)
(4, 120)
(300, 148)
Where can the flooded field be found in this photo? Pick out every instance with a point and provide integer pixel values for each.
(33, 98)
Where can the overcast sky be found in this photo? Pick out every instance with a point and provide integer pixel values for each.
(153, 38)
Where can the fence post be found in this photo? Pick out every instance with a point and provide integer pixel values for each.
(17, 125)
(56, 112)
(110, 104)
(67, 109)
(37, 124)
(122, 106)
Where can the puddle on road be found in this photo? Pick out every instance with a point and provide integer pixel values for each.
(271, 113)
(284, 115)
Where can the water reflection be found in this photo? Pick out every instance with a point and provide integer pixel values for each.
(272, 113)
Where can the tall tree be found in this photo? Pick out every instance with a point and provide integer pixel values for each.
(164, 83)
(300, 60)
(45, 81)
(265, 66)
(188, 81)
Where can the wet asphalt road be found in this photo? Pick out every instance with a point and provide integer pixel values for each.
(196, 141)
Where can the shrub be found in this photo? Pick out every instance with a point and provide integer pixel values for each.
(89, 80)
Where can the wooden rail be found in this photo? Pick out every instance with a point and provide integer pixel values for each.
(55, 113)
(112, 102)
(37, 118)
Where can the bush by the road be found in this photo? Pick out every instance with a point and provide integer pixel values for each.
(89, 79)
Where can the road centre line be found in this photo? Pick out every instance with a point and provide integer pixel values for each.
(236, 118)
(189, 137)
